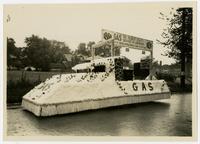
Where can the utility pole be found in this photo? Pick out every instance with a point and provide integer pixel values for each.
(112, 48)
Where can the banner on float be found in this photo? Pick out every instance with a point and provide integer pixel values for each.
(125, 40)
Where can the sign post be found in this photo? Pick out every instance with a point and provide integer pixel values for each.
(112, 48)
(151, 65)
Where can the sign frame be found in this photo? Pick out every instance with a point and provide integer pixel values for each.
(124, 40)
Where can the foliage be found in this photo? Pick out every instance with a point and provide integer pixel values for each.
(57, 49)
(13, 54)
(41, 52)
(83, 50)
(105, 51)
(38, 52)
(89, 45)
(166, 76)
(10, 50)
(178, 21)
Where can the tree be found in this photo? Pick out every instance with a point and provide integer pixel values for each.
(38, 52)
(10, 50)
(178, 37)
(83, 50)
(103, 51)
(89, 46)
(13, 54)
(57, 51)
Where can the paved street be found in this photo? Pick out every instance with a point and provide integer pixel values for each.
(170, 117)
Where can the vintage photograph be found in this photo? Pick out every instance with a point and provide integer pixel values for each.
(100, 69)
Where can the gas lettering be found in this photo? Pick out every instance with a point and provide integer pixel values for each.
(135, 87)
(117, 36)
(150, 86)
(143, 87)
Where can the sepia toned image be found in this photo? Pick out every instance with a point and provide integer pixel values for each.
(100, 69)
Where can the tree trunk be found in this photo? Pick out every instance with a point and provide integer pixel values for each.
(183, 51)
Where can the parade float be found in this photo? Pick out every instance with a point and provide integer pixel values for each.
(100, 83)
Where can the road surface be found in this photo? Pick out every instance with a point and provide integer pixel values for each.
(171, 117)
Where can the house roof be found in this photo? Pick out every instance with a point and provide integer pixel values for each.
(68, 57)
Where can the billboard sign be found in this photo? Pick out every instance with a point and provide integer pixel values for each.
(125, 40)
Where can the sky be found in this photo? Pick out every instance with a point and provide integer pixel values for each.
(76, 23)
